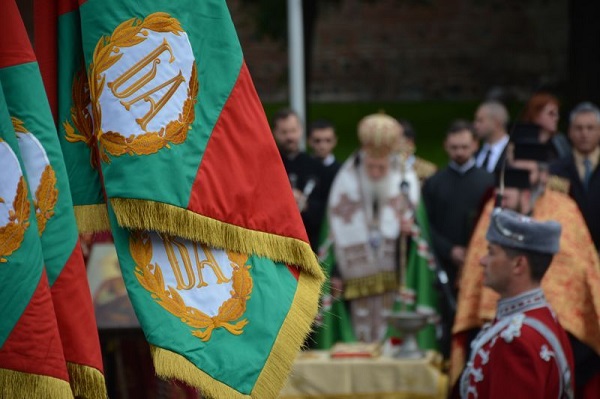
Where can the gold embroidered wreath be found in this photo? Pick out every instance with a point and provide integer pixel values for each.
(106, 54)
(46, 194)
(83, 131)
(151, 278)
(12, 233)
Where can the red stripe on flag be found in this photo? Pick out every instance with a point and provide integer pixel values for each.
(45, 38)
(34, 344)
(65, 6)
(241, 179)
(77, 324)
(13, 36)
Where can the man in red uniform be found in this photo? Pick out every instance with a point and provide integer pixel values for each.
(524, 352)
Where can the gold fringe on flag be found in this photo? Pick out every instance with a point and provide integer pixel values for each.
(15, 384)
(86, 382)
(92, 218)
(273, 376)
(148, 215)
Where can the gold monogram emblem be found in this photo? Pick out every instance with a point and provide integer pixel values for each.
(145, 88)
(46, 193)
(13, 231)
(151, 277)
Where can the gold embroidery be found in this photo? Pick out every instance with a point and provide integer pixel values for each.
(83, 131)
(106, 54)
(46, 194)
(151, 278)
(12, 233)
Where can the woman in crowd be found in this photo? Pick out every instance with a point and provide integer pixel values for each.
(542, 110)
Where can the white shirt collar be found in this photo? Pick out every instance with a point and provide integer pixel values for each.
(329, 159)
(464, 168)
(495, 153)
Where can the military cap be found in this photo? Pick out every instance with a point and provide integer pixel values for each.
(379, 134)
(513, 230)
(514, 177)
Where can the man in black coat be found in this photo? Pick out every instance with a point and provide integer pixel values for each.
(452, 198)
(305, 172)
(491, 119)
(581, 168)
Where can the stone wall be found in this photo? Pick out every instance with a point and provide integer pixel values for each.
(389, 50)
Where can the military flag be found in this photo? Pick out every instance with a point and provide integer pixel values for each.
(57, 32)
(210, 241)
(43, 161)
(32, 364)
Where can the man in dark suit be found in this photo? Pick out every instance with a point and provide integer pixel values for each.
(581, 168)
(305, 172)
(490, 123)
(322, 140)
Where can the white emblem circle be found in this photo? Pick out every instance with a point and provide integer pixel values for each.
(10, 174)
(121, 119)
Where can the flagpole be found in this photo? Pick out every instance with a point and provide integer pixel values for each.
(296, 61)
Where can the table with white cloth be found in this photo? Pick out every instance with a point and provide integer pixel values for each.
(316, 375)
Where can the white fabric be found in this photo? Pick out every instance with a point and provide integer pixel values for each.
(208, 299)
(10, 174)
(122, 120)
(34, 158)
(355, 228)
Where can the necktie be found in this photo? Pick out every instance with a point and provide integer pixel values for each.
(486, 159)
(587, 172)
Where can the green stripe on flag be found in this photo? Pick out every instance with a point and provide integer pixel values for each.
(83, 178)
(18, 282)
(59, 234)
(235, 360)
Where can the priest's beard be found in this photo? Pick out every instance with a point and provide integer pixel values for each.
(375, 192)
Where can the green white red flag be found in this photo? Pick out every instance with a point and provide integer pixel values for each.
(57, 33)
(48, 186)
(32, 364)
(210, 241)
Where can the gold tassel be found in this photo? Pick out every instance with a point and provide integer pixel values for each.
(92, 218)
(86, 382)
(295, 328)
(169, 219)
(15, 384)
(370, 285)
(274, 375)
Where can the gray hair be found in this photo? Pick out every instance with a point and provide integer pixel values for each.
(584, 108)
(497, 110)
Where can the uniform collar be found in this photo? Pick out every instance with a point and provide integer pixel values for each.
(526, 301)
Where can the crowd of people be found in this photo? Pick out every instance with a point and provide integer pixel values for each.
(488, 211)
